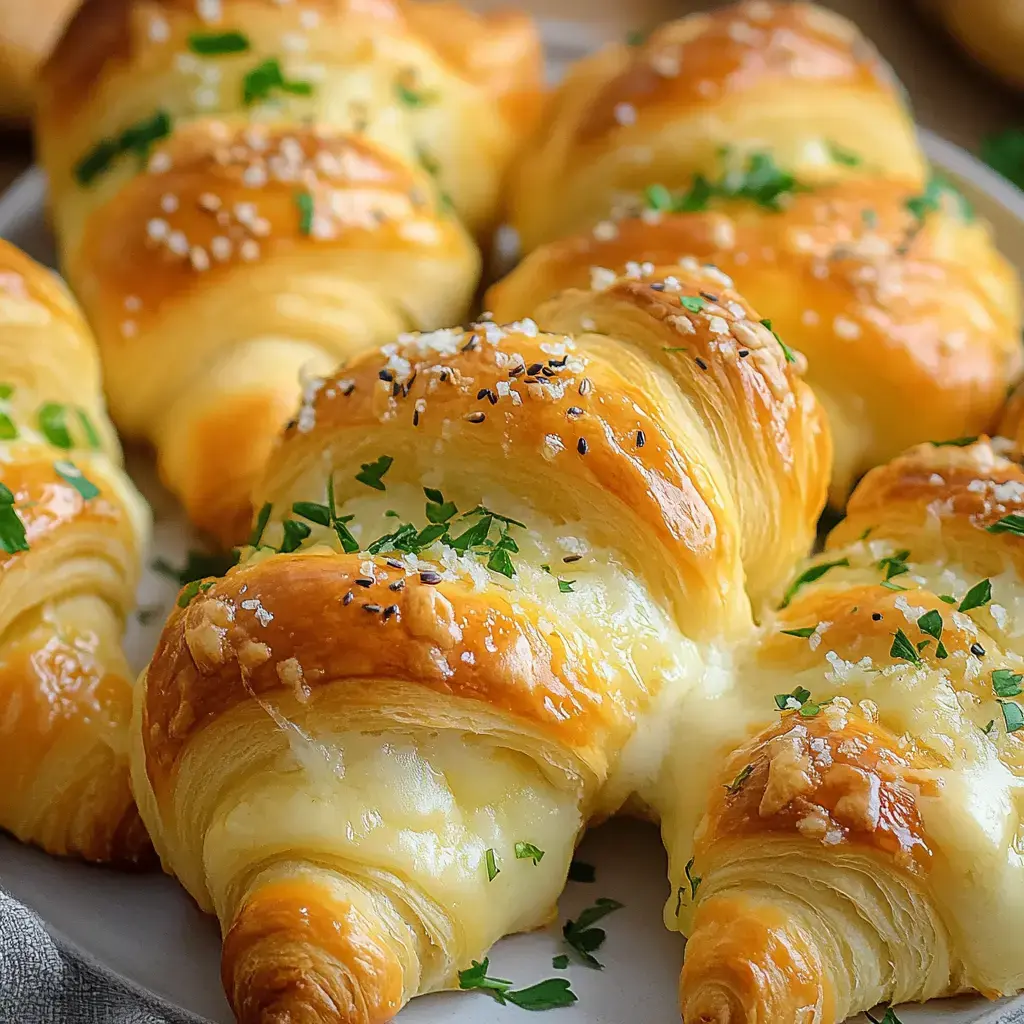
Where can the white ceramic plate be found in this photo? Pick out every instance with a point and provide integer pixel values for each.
(147, 931)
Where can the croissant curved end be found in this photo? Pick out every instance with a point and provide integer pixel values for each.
(748, 965)
(296, 954)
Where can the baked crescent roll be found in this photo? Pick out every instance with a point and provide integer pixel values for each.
(847, 826)
(245, 189)
(72, 529)
(485, 564)
(894, 298)
(703, 100)
(991, 31)
(27, 32)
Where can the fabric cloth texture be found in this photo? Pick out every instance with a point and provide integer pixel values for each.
(44, 982)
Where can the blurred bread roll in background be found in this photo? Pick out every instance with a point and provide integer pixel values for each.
(28, 31)
(992, 32)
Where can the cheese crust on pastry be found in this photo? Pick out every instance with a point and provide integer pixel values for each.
(250, 190)
(72, 530)
(486, 563)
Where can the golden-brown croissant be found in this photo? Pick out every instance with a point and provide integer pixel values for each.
(71, 532)
(991, 31)
(486, 566)
(819, 212)
(847, 822)
(243, 190)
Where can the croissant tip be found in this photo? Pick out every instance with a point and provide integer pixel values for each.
(297, 954)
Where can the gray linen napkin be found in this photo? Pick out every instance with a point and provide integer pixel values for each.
(43, 982)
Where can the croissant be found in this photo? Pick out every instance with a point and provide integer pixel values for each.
(72, 528)
(371, 747)
(243, 191)
(848, 829)
(819, 213)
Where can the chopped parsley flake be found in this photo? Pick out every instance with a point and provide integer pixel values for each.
(527, 851)
(1013, 715)
(786, 350)
(803, 632)
(413, 98)
(306, 205)
(560, 962)
(1006, 683)
(732, 788)
(894, 565)
(843, 156)
(492, 865)
(545, 995)
(978, 596)
(931, 200)
(903, 649)
(799, 699)
(191, 590)
(265, 78)
(888, 1018)
(954, 442)
(372, 473)
(694, 303)
(815, 572)
(931, 623)
(136, 138)
(71, 474)
(1013, 523)
(584, 939)
(52, 419)
(694, 880)
(12, 529)
(216, 44)
(260, 525)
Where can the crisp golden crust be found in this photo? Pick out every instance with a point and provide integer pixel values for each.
(739, 376)
(295, 953)
(272, 628)
(845, 785)
(746, 963)
(188, 227)
(73, 534)
(786, 78)
(882, 303)
(243, 184)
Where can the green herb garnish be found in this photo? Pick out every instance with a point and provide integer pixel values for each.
(903, 649)
(1013, 715)
(803, 632)
(545, 995)
(216, 44)
(527, 851)
(732, 788)
(1013, 523)
(372, 473)
(694, 880)
(786, 350)
(438, 510)
(305, 203)
(492, 865)
(815, 572)
(954, 442)
(931, 623)
(412, 98)
(931, 200)
(265, 78)
(799, 699)
(12, 529)
(582, 937)
(888, 1018)
(190, 590)
(294, 534)
(1004, 152)
(980, 594)
(136, 138)
(71, 474)
(694, 303)
(843, 156)
(1006, 683)
(260, 525)
(560, 962)
(894, 565)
